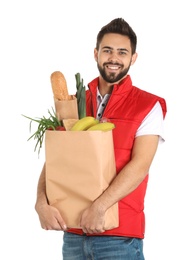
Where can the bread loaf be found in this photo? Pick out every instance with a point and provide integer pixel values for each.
(59, 86)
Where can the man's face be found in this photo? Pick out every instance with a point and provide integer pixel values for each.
(114, 57)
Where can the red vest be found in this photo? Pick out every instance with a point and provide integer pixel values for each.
(126, 108)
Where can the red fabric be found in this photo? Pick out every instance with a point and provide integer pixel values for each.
(126, 108)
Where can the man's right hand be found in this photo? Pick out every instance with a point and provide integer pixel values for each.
(50, 218)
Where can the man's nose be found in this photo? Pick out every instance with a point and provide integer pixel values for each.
(113, 57)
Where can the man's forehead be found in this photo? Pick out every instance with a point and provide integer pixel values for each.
(112, 40)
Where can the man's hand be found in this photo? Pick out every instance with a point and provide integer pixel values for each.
(92, 220)
(50, 218)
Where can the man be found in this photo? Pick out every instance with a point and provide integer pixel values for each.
(138, 117)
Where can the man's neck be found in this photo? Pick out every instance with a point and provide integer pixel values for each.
(105, 87)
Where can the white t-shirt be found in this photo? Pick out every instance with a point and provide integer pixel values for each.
(153, 123)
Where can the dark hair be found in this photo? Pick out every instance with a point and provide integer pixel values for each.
(119, 26)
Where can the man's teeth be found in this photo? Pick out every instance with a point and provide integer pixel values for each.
(113, 67)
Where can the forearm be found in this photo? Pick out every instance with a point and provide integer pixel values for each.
(124, 183)
(93, 218)
(41, 190)
(132, 174)
(49, 216)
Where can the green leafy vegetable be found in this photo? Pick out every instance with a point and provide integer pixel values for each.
(81, 96)
(44, 124)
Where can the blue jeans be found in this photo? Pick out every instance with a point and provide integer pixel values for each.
(77, 247)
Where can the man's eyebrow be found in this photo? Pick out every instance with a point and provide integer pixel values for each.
(122, 49)
(119, 49)
(107, 47)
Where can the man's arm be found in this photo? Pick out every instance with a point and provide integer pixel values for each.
(125, 182)
(49, 216)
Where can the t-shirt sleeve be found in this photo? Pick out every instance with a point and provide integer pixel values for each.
(153, 123)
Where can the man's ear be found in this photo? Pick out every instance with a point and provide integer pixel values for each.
(134, 57)
(96, 54)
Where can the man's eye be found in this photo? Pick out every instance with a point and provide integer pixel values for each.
(122, 53)
(107, 51)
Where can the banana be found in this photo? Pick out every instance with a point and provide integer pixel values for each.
(104, 126)
(84, 123)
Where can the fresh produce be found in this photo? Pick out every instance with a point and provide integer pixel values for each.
(60, 91)
(50, 123)
(102, 126)
(84, 123)
(81, 96)
(59, 86)
(54, 122)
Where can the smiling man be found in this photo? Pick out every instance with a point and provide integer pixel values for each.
(114, 62)
(138, 117)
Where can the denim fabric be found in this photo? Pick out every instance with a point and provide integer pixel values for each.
(77, 247)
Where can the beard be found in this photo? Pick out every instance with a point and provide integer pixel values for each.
(112, 77)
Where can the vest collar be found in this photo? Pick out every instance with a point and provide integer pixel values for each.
(121, 88)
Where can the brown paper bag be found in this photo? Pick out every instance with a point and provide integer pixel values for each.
(66, 108)
(79, 167)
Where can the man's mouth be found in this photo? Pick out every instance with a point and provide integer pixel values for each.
(111, 67)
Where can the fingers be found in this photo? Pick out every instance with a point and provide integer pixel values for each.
(93, 230)
(54, 226)
(52, 220)
(61, 222)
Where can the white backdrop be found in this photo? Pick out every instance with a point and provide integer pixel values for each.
(39, 37)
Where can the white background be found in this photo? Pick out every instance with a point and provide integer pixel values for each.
(39, 37)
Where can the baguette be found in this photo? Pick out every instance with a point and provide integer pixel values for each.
(59, 86)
